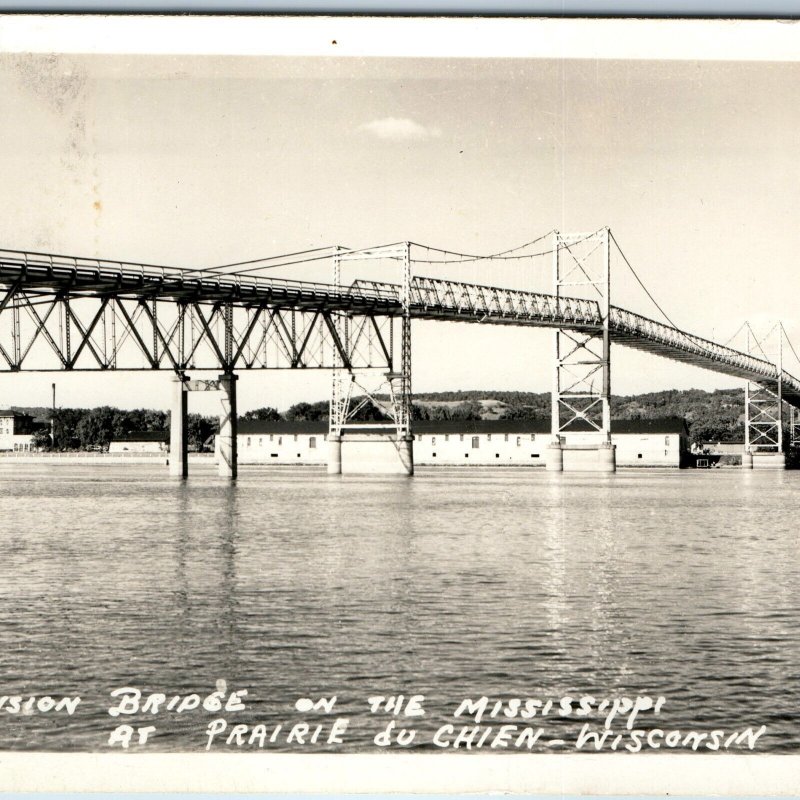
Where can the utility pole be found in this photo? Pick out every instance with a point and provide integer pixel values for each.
(53, 421)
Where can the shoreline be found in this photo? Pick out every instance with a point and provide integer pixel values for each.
(209, 460)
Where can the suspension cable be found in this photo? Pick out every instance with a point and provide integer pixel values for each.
(739, 330)
(473, 257)
(639, 281)
(504, 255)
(758, 343)
(789, 342)
(267, 258)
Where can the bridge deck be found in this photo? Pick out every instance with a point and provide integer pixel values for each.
(40, 273)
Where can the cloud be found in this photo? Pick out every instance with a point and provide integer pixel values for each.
(399, 129)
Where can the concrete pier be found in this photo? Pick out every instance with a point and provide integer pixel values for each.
(607, 457)
(747, 460)
(228, 467)
(364, 453)
(334, 455)
(178, 429)
(769, 460)
(405, 449)
(554, 460)
(561, 457)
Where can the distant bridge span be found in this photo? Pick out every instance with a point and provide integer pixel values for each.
(71, 313)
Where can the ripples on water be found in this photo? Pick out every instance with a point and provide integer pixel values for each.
(462, 583)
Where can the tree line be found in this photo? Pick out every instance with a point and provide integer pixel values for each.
(711, 416)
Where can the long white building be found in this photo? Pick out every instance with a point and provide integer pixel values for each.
(660, 442)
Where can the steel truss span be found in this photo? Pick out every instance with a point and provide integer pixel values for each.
(63, 313)
(69, 313)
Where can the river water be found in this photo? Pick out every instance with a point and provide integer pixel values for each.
(454, 584)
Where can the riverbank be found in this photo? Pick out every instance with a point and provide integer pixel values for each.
(100, 459)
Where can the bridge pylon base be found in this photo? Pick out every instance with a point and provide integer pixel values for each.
(227, 451)
(607, 457)
(178, 430)
(769, 460)
(554, 458)
(565, 457)
(334, 455)
(363, 453)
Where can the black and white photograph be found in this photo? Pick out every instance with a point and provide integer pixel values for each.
(425, 389)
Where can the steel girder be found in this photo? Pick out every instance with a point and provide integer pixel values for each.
(65, 332)
(441, 299)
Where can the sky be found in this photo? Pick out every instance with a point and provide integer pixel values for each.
(199, 161)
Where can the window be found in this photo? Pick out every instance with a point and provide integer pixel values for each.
(433, 440)
(505, 438)
(295, 437)
(248, 441)
(434, 455)
(533, 437)
(519, 441)
(447, 437)
(280, 440)
(476, 442)
(639, 456)
(312, 442)
(497, 455)
(460, 437)
(271, 437)
(666, 440)
(666, 452)
(260, 441)
(488, 437)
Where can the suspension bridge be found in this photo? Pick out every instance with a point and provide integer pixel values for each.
(85, 314)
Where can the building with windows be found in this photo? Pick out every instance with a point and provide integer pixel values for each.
(140, 442)
(16, 431)
(660, 442)
(640, 443)
(281, 442)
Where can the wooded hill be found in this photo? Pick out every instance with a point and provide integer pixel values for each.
(711, 416)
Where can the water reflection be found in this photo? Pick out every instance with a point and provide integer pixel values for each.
(457, 583)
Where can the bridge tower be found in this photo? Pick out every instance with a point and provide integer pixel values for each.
(362, 447)
(581, 395)
(763, 410)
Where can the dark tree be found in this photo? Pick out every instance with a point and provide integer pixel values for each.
(308, 411)
(200, 431)
(41, 440)
(267, 413)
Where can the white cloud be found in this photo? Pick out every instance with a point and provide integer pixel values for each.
(399, 129)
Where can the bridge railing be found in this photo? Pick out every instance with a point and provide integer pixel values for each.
(631, 324)
(493, 301)
(96, 268)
